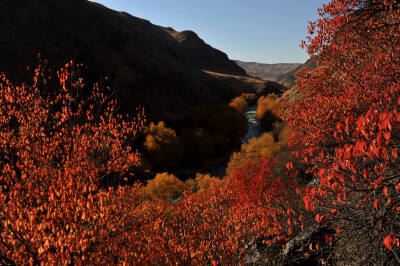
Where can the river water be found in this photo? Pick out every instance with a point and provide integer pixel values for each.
(254, 130)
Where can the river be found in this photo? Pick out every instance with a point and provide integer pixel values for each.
(254, 130)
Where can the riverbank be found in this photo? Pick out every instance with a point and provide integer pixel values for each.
(253, 130)
(218, 166)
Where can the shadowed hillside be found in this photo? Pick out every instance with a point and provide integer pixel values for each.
(267, 71)
(150, 65)
(249, 84)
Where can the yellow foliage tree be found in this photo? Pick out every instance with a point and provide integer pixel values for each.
(240, 104)
(191, 185)
(257, 148)
(165, 186)
(162, 146)
(265, 103)
(268, 111)
(205, 180)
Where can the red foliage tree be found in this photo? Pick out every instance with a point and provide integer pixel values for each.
(54, 154)
(214, 227)
(345, 128)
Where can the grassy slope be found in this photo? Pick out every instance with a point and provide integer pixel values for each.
(267, 71)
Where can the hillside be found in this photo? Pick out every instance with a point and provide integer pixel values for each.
(267, 71)
(288, 79)
(150, 65)
(249, 84)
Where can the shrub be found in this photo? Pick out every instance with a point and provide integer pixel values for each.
(191, 185)
(165, 186)
(253, 151)
(345, 129)
(269, 102)
(269, 121)
(240, 104)
(205, 180)
(162, 146)
(268, 112)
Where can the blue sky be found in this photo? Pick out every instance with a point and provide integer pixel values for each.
(266, 31)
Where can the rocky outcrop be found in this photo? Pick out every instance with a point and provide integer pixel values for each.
(300, 250)
(258, 253)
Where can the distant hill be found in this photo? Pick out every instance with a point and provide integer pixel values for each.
(288, 79)
(267, 71)
(154, 66)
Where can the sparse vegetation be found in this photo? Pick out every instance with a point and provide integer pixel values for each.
(267, 71)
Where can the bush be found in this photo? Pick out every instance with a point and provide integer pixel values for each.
(205, 180)
(269, 102)
(162, 146)
(191, 185)
(240, 104)
(253, 151)
(55, 154)
(268, 112)
(165, 186)
(266, 146)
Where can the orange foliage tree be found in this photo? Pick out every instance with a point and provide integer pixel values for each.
(55, 153)
(345, 129)
(240, 104)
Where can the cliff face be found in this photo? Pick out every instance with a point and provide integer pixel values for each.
(150, 65)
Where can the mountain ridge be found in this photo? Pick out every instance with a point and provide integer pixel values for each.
(150, 65)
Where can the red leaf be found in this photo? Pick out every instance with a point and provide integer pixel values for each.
(376, 204)
(388, 241)
(389, 201)
(394, 152)
(385, 191)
